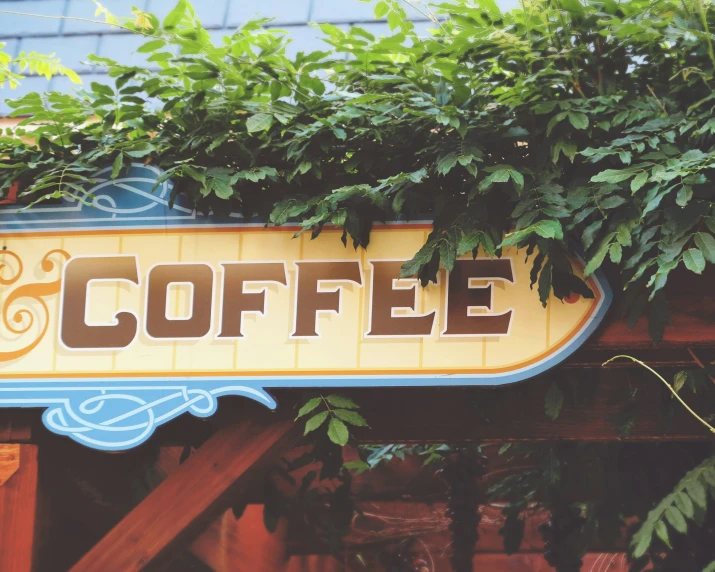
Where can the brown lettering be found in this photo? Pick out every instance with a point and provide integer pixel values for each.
(75, 333)
(386, 297)
(310, 301)
(201, 277)
(462, 295)
(236, 302)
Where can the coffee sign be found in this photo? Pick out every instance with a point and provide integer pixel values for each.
(121, 316)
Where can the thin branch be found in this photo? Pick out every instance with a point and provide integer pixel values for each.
(77, 19)
(670, 388)
(430, 15)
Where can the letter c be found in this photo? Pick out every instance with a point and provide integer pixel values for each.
(75, 333)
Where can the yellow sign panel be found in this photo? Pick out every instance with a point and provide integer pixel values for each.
(120, 327)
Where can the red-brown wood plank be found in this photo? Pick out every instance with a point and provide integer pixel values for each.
(515, 412)
(684, 331)
(691, 301)
(242, 544)
(189, 498)
(18, 507)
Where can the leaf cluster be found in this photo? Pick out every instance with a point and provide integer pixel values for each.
(686, 503)
(341, 415)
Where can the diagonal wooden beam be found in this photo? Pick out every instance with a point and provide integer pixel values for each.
(190, 497)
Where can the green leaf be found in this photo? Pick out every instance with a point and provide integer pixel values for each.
(694, 260)
(151, 46)
(697, 493)
(553, 402)
(276, 89)
(358, 466)
(259, 122)
(469, 242)
(501, 174)
(71, 75)
(342, 402)
(612, 176)
(684, 504)
(423, 256)
(117, 165)
(641, 541)
(616, 252)
(706, 243)
(101, 89)
(309, 406)
(545, 283)
(316, 421)
(638, 181)
(684, 195)
(222, 188)
(446, 162)
(661, 531)
(447, 254)
(679, 380)
(578, 120)
(549, 229)
(590, 232)
(566, 147)
(544, 228)
(381, 8)
(338, 432)
(140, 149)
(612, 202)
(676, 520)
(600, 255)
(175, 16)
(553, 121)
(393, 20)
(623, 235)
(351, 417)
(518, 180)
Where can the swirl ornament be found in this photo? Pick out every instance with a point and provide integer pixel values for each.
(117, 418)
(22, 320)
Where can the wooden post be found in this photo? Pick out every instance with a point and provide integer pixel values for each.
(18, 506)
(189, 498)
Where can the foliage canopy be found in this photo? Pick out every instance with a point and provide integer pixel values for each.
(561, 127)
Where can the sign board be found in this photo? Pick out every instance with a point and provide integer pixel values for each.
(119, 316)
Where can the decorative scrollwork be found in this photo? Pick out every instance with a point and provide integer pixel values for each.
(115, 418)
(22, 320)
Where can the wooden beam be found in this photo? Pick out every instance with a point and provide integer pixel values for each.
(685, 330)
(190, 497)
(515, 412)
(18, 507)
